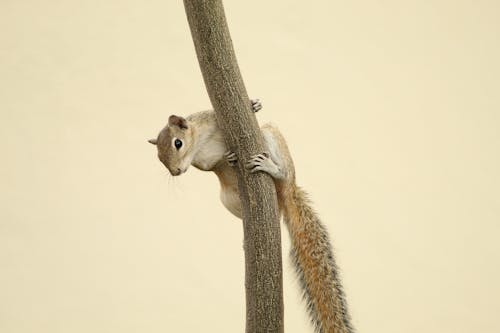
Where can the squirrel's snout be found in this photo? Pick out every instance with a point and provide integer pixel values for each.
(175, 171)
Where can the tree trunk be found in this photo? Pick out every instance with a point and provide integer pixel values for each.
(262, 240)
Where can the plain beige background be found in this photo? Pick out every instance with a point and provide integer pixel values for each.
(392, 114)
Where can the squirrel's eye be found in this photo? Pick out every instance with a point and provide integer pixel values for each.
(178, 144)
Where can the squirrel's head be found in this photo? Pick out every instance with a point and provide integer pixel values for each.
(175, 143)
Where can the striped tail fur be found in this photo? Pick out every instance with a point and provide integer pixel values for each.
(313, 259)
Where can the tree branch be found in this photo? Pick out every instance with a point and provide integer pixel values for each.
(262, 241)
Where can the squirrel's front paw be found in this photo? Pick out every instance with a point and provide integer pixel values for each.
(231, 158)
(256, 105)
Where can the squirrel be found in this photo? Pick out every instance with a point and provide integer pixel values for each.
(198, 141)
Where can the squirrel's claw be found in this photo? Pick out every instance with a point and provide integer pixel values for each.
(231, 158)
(256, 105)
(262, 162)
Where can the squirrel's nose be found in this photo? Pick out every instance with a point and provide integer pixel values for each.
(176, 172)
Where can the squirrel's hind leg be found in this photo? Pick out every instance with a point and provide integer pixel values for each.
(275, 161)
(259, 162)
(263, 162)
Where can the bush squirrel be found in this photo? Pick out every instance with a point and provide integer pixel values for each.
(198, 141)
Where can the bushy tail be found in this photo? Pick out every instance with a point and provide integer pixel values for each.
(315, 265)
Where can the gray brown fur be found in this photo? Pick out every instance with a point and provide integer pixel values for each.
(311, 252)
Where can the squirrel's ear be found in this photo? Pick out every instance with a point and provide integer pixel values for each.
(153, 141)
(174, 120)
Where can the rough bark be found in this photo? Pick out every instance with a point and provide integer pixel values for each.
(262, 241)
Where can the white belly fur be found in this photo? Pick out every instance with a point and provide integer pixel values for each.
(229, 190)
(231, 200)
